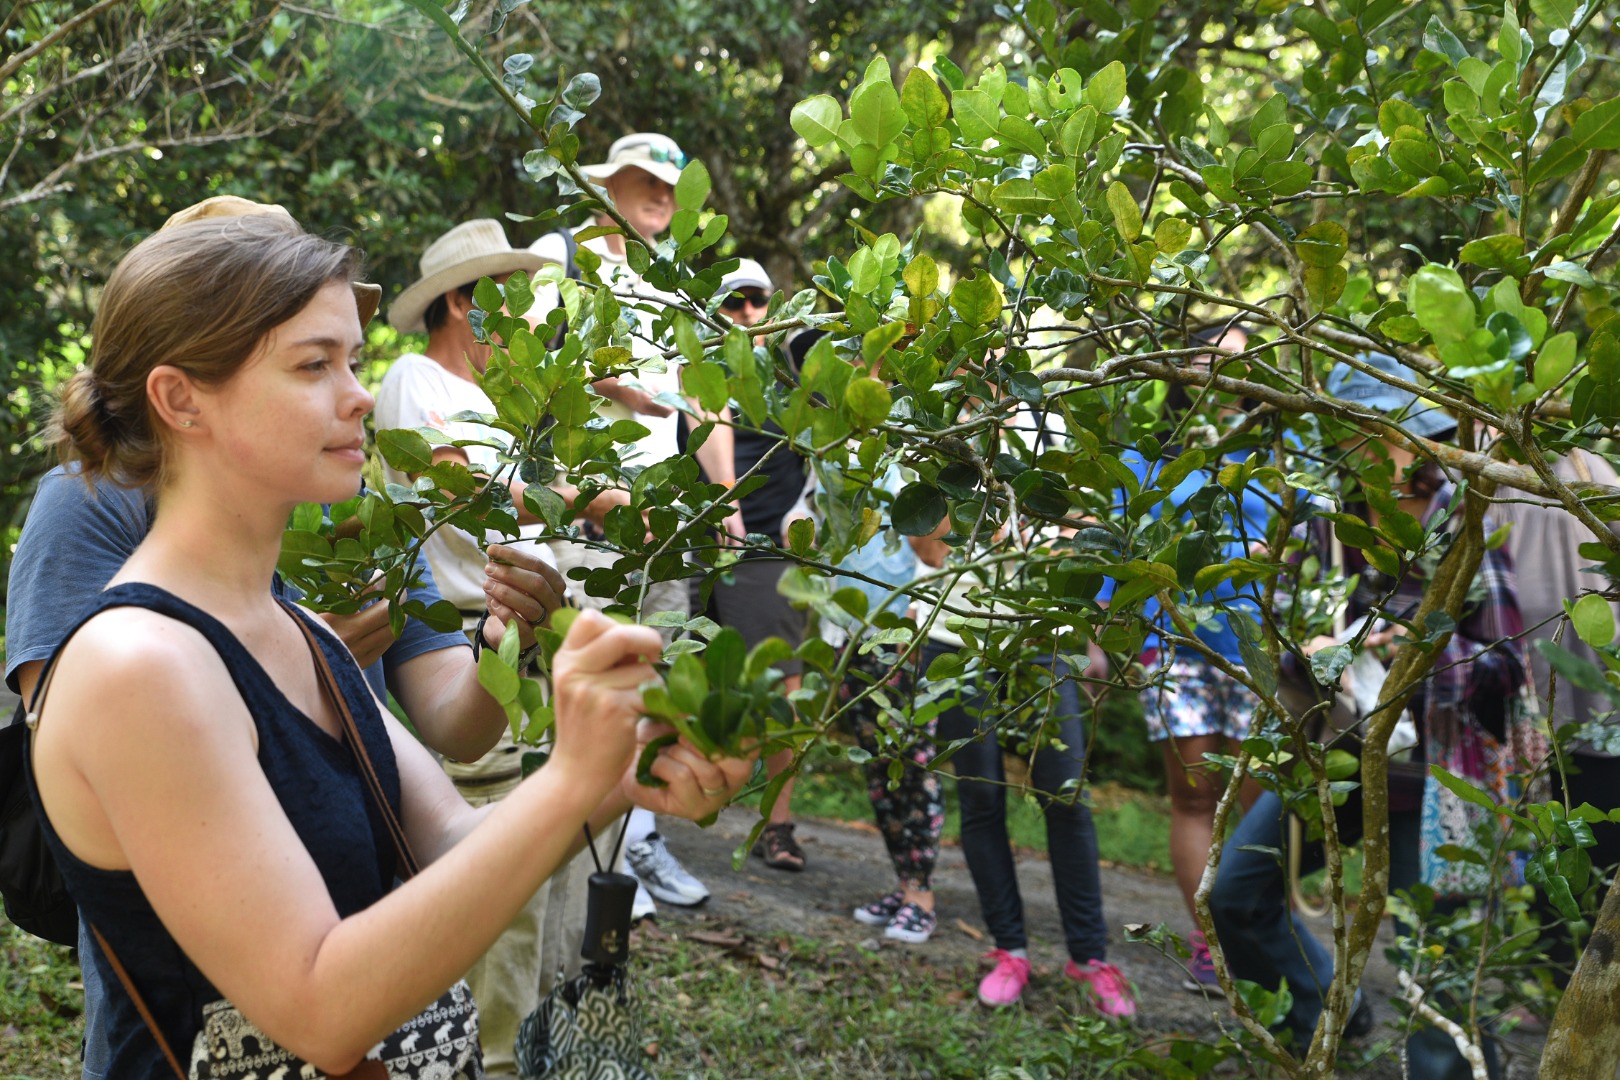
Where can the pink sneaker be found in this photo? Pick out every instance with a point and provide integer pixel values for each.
(1006, 981)
(1109, 991)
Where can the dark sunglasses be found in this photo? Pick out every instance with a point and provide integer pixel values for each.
(737, 301)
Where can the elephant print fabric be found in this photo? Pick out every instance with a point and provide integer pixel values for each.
(440, 1043)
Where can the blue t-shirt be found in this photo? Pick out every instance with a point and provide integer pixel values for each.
(882, 559)
(1254, 514)
(74, 541)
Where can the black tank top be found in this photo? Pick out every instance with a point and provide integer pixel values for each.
(317, 780)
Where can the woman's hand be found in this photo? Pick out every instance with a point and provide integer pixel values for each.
(367, 632)
(519, 584)
(596, 679)
(695, 786)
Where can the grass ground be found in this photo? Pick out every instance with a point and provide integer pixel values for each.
(40, 1006)
(1133, 827)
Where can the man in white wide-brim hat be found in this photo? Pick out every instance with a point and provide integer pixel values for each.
(426, 390)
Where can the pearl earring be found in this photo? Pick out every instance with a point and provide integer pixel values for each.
(188, 423)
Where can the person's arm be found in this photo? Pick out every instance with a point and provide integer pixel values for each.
(174, 792)
(439, 690)
(718, 457)
(930, 549)
(1487, 643)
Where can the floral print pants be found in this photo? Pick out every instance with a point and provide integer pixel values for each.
(910, 806)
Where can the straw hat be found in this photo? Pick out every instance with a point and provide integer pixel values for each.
(645, 150)
(472, 250)
(367, 296)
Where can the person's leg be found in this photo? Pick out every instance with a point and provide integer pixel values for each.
(1057, 774)
(910, 812)
(981, 797)
(1194, 795)
(753, 607)
(505, 981)
(1261, 938)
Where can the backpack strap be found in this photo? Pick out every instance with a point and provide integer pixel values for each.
(351, 730)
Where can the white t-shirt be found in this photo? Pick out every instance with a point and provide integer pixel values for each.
(630, 287)
(418, 392)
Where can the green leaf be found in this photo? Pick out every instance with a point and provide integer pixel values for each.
(725, 659)
(876, 343)
(1171, 235)
(918, 509)
(816, 119)
(1598, 128)
(1555, 14)
(1593, 620)
(706, 382)
(977, 115)
(1441, 303)
(1463, 789)
(1325, 284)
(692, 188)
(921, 276)
(1019, 196)
(405, 450)
(1438, 38)
(487, 295)
(1395, 114)
(1106, 90)
(497, 678)
(688, 683)
(875, 112)
(1561, 158)
(1492, 252)
(1127, 215)
(1555, 361)
(1322, 244)
(977, 299)
(922, 99)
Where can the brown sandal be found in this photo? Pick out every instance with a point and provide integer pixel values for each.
(778, 848)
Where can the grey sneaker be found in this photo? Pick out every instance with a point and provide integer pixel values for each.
(663, 875)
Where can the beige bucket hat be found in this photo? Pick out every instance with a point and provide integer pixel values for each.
(471, 250)
(367, 297)
(645, 150)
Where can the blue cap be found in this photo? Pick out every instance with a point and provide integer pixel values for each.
(1417, 415)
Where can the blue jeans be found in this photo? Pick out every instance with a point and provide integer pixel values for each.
(1071, 837)
(97, 1051)
(1266, 942)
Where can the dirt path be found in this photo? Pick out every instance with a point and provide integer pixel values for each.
(847, 865)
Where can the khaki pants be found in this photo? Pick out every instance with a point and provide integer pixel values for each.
(541, 945)
(537, 948)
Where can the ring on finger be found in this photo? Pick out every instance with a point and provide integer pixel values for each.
(714, 793)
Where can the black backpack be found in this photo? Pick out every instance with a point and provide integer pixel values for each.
(36, 898)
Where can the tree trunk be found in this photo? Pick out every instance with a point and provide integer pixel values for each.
(1584, 1043)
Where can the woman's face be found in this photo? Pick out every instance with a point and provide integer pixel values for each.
(289, 424)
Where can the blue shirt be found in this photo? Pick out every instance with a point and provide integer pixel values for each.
(74, 541)
(1236, 536)
(876, 559)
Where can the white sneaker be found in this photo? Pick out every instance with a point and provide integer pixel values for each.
(642, 907)
(662, 874)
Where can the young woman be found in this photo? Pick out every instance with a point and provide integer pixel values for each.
(207, 812)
